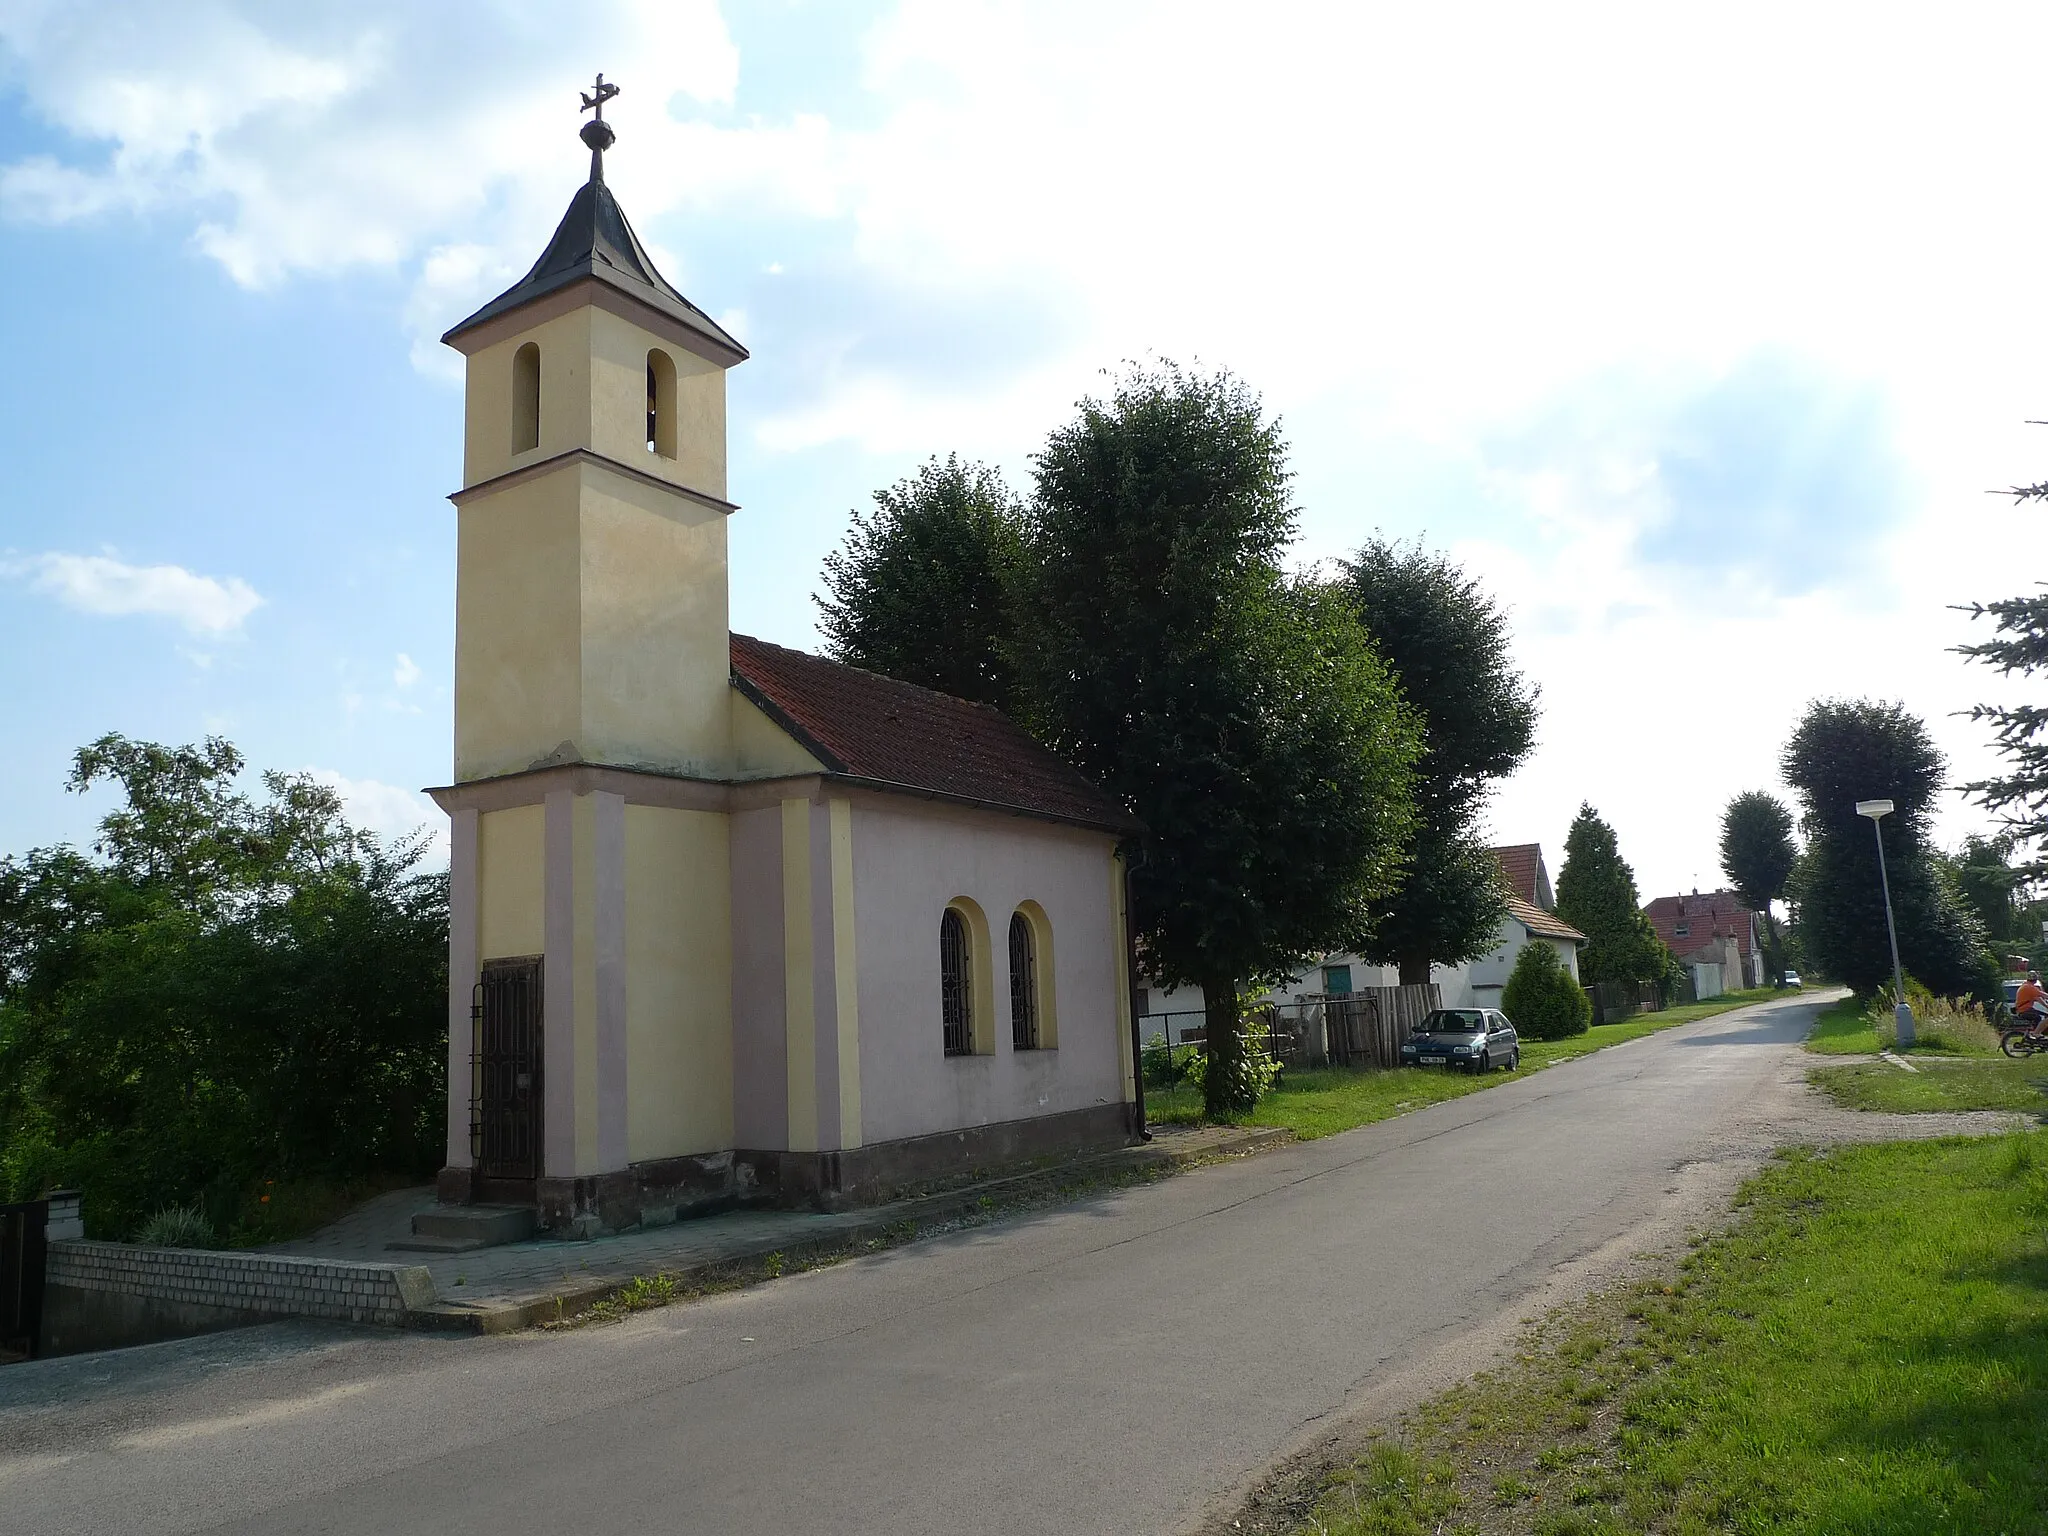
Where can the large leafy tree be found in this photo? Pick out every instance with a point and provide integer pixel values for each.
(1757, 851)
(1596, 894)
(1243, 717)
(919, 589)
(1843, 751)
(1757, 856)
(1448, 643)
(229, 986)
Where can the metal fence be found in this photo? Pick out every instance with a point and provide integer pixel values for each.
(1359, 1029)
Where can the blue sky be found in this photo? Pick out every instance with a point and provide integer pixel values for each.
(1699, 340)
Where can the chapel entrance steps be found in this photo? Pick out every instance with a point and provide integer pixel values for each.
(464, 1228)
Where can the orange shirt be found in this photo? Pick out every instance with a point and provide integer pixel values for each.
(2028, 995)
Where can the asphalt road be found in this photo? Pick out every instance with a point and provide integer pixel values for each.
(1117, 1365)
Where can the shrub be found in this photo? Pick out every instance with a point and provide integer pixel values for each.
(1257, 1071)
(1939, 1023)
(176, 1226)
(1541, 998)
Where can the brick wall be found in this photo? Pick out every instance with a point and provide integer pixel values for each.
(276, 1284)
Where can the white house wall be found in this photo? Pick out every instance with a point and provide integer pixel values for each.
(907, 866)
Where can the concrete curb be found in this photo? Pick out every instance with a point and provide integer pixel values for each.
(557, 1304)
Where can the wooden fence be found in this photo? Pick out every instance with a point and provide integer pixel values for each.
(1359, 1029)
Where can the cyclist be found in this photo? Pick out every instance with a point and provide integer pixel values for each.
(2030, 1004)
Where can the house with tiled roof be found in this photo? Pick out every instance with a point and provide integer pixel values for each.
(1528, 919)
(1712, 929)
(728, 922)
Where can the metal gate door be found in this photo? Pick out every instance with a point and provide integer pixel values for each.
(505, 1070)
(23, 1229)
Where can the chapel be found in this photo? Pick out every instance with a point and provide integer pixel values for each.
(730, 923)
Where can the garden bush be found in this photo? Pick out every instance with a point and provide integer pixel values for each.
(1541, 999)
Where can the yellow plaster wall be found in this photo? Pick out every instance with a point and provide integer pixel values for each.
(518, 623)
(679, 982)
(511, 872)
(618, 405)
(565, 344)
(761, 748)
(584, 859)
(656, 659)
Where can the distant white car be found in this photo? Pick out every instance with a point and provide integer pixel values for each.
(1791, 978)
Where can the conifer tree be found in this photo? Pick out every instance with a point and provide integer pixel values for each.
(1596, 894)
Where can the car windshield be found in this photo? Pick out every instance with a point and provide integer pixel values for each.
(1453, 1021)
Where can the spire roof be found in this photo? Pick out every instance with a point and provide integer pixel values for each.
(595, 242)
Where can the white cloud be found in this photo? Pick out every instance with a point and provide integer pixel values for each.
(102, 584)
(388, 810)
(407, 672)
(1421, 230)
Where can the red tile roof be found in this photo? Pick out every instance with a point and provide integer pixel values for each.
(1520, 864)
(1715, 915)
(896, 735)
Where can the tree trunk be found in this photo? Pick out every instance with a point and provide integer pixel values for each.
(1223, 1033)
(1415, 970)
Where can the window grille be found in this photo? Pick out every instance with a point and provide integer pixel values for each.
(1023, 984)
(954, 984)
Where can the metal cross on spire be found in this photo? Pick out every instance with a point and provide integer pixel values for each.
(597, 133)
(593, 101)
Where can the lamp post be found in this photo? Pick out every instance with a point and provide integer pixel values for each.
(1902, 1012)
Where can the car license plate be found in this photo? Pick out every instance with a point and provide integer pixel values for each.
(1432, 1061)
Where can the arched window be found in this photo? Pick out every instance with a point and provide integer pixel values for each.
(1033, 1024)
(956, 984)
(661, 404)
(526, 398)
(1023, 984)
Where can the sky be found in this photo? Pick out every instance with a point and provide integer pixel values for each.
(1701, 336)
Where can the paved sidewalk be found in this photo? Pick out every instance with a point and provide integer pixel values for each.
(492, 1290)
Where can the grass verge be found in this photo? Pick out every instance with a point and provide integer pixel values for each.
(1948, 1085)
(1867, 1351)
(1324, 1101)
(1843, 1030)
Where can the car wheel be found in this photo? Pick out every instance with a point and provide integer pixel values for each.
(1515, 1060)
(1484, 1064)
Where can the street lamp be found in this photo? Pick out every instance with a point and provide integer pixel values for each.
(1902, 1012)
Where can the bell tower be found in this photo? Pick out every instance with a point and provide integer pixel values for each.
(591, 568)
(589, 945)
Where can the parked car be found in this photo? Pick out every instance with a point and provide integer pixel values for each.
(1792, 979)
(1477, 1039)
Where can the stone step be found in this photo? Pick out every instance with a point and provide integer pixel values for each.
(476, 1226)
(418, 1244)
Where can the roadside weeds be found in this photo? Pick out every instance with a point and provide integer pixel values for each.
(1864, 1348)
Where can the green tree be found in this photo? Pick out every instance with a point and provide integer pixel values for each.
(1993, 889)
(919, 590)
(1243, 717)
(1448, 643)
(235, 987)
(1757, 856)
(1541, 1000)
(1843, 751)
(1596, 894)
